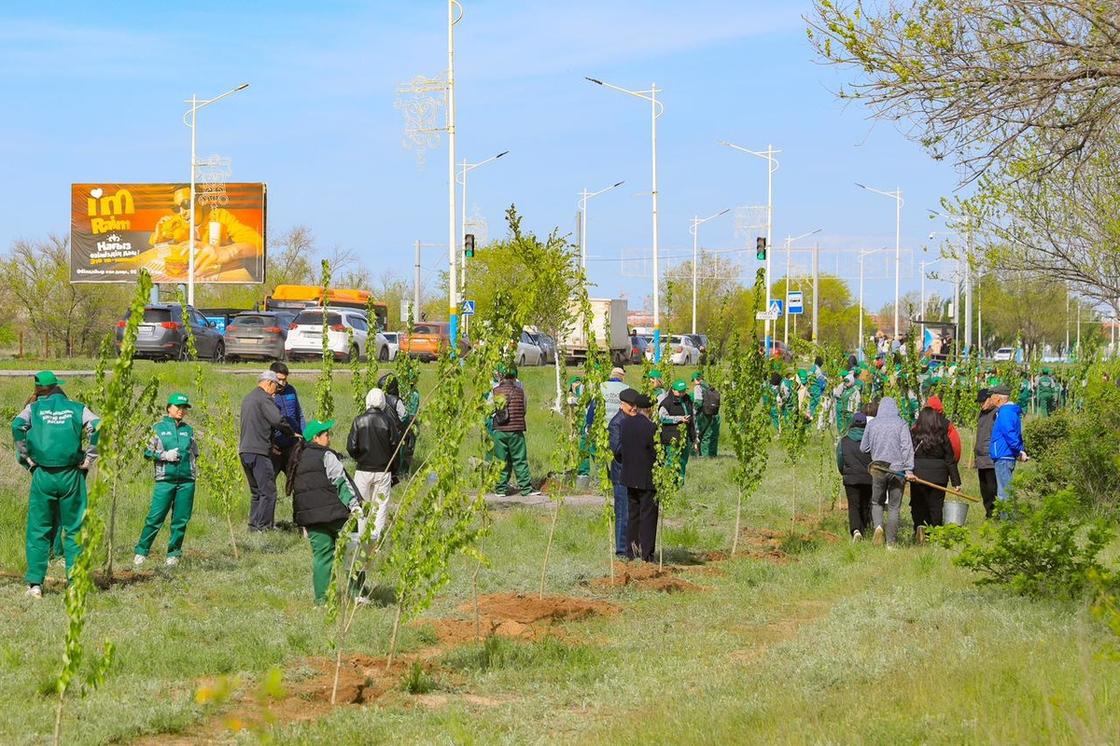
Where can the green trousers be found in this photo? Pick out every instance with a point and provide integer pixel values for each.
(57, 506)
(676, 453)
(323, 537)
(509, 448)
(708, 430)
(585, 454)
(176, 498)
(1046, 405)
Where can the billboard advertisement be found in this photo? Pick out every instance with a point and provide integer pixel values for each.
(115, 229)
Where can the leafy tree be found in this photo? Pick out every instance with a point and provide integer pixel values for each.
(717, 284)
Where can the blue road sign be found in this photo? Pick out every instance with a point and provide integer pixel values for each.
(795, 302)
(468, 308)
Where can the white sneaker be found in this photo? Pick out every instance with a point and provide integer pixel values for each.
(171, 562)
(138, 559)
(34, 591)
(879, 536)
(856, 537)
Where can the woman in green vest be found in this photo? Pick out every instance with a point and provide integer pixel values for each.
(173, 449)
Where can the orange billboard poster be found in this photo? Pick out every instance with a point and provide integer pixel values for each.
(115, 229)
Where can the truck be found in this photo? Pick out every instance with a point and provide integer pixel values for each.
(608, 324)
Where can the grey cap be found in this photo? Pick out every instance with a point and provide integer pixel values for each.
(1001, 390)
(268, 375)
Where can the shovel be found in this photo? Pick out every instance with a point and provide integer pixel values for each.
(879, 467)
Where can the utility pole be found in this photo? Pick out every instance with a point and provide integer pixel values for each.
(968, 290)
(816, 287)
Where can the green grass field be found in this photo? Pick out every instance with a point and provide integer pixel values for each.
(820, 641)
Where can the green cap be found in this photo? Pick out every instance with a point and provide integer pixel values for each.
(47, 378)
(803, 376)
(655, 373)
(178, 400)
(679, 385)
(1045, 371)
(316, 427)
(574, 379)
(697, 376)
(994, 381)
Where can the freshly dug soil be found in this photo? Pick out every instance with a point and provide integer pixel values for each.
(646, 575)
(518, 616)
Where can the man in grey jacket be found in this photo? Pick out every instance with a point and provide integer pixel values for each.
(985, 467)
(260, 415)
(887, 439)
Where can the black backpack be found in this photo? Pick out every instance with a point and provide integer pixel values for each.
(709, 405)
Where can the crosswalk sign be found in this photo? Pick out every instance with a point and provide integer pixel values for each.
(468, 308)
(775, 308)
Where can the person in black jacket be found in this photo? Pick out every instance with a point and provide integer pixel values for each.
(638, 458)
(323, 499)
(374, 443)
(853, 463)
(985, 467)
(627, 407)
(934, 461)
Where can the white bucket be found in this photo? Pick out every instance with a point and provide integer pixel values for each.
(954, 513)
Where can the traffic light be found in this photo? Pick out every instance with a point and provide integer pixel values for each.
(468, 246)
(760, 248)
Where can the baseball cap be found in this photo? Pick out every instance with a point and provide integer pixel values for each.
(268, 375)
(679, 385)
(655, 373)
(178, 400)
(617, 373)
(697, 376)
(1001, 390)
(316, 427)
(47, 378)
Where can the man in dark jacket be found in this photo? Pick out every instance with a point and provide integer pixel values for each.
(259, 417)
(374, 444)
(985, 467)
(678, 431)
(639, 457)
(627, 407)
(291, 412)
(853, 463)
(509, 434)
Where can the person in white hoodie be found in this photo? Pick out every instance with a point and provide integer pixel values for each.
(374, 444)
(887, 439)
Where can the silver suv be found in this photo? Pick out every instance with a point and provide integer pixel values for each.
(162, 336)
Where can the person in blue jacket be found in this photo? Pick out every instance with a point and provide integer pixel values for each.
(1006, 447)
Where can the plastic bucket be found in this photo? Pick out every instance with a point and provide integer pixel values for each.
(955, 513)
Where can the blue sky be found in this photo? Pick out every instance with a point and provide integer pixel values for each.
(94, 93)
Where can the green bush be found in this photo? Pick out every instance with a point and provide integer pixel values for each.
(1046, 436)
(1045, 549)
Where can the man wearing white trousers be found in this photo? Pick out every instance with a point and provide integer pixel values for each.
(373, 443)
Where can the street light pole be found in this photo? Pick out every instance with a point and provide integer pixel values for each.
(896, 195)
(453, 243)
(697, 221)
(584, 196)
(192, 113)
(772, 166)
(466, 169)
(656, 110)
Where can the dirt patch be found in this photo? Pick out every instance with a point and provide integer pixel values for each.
(769, 545)
(518, 616)
(439, 701)
(646, 575)
(100, 579)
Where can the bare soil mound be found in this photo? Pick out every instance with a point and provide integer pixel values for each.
(518, 616)
(646, 575)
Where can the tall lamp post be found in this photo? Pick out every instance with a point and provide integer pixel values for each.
(896, 195)
(465, 169)
(694, 229)
(453, 244)
(862, 254)
(772, 166)
(584, 196)
(656, 110)
(189, 119)
(789, 250)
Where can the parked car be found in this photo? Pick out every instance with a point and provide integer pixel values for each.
(700, 341)
(162, 336)
(346, 335)
(546, 344)
(528, 351)
(677, 349)
(780, 351)
(428, 338)
(392, 346)
(638, 347)
(254, 335)
(1003, 354)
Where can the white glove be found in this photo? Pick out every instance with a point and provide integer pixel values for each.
(355, 507)
(87, 463)
(172, 455)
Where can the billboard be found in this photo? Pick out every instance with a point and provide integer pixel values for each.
(115, 229)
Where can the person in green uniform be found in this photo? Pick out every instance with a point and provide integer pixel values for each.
(774, 394)
(788, 396)
(705, 402)
(48, 436)
(1048, 391)
(657, 384)
(678, 429)
(323, 497)
(175, 452)
(848, 400)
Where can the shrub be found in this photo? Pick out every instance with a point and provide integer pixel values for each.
(1046, 549)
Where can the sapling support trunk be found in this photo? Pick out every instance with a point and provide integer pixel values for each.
(548, 547)
(393, 639)
(474, 593)
(738, 518)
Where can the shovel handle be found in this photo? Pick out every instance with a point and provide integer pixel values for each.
(948, 490)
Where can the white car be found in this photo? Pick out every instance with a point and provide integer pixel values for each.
(392, 346)
(677, 349)
(346, 335)
(1003, 354)
(528, 351)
